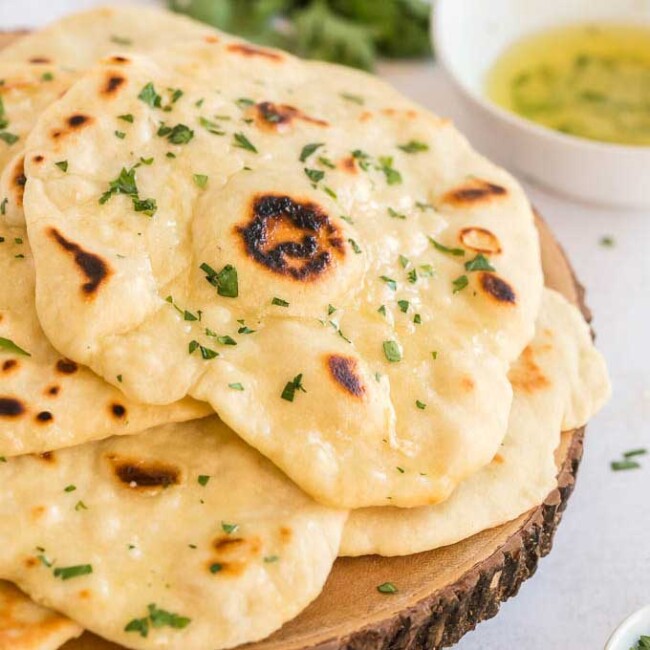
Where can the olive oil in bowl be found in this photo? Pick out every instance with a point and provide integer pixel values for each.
(591, 81)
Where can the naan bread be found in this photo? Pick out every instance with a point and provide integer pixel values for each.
(47, 401)
(24, 625)
(26, 91)
(194, 540)
(214, 216)
(78, 40)
(560, 381)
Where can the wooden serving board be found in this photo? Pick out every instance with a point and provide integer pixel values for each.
(443, 594)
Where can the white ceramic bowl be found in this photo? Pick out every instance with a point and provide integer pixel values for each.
(629, 631)
(469, 35)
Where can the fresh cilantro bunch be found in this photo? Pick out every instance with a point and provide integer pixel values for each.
(353, 32)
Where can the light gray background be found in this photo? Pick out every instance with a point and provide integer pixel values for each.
(599, 570)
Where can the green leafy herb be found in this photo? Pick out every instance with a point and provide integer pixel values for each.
(120, 40)
(309, 149)
(387, 588)
(62, 165)
(9, 138)
(458, 252)
(215, 567)
(206, 353)
(236, 386)
(314, 175)
(618, 465)
(479, 263)
(392, 351)
(3, 208)
(139, 625)
(7, 345)
(125, 183)
(127, 117)
(635, 452)
(392, 285)
(225, 281)
(403, 261)
(326, 162)
(149, 96)
(70, 488)
(460, 283)
(382, 310)
(607, 241)
(229, 528)
(643, 643)
(396, 215)
(420, 405)
(80, 505)
(403, 305)
(179, 134)
(201, 180)
(355, 99)
(243, 142)
(226, 340)
(412, 276)
(120, 134)
(146, 206)
(414, 146)
(161, 618)
(203, 480)
(417, 319)
(393, 177)
(291, 387)
(47, 76)
(269, 559)
(67, 573)
(355, 246)
(279, 302)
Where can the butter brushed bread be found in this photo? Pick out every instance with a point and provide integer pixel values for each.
(344, 280)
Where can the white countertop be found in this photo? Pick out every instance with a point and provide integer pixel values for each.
(599, 570)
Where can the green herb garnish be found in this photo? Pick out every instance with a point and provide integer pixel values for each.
(236, 386)
(201, 180)
(392, 351)
(460, 283)
(387, 588)
(203, 480)
(243, 142)
(67, 573)
(414, 146)
(229, 528)
(479, 263)
(149, 96)
(62, 165)
(314, 175)
(309, 149)
(225, 281)
(457, 252)
(291, 387)
(279, 302)
(7, 345)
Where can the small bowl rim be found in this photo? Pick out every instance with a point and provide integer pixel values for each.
(514, 119)
(632, 623)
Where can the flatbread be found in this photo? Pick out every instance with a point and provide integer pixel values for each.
(183, 520)
(47, 401)
(24, 625)
(335, 269)
(77, 40)
(560, 381)
(27, 90)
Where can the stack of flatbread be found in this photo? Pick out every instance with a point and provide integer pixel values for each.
(255, 313)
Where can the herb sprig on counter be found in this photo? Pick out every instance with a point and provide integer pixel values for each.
(343, 31)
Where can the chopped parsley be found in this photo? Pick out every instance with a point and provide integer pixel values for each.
(206, 353)
(628, 461)
(403, 305)
(607, 241)
(309, 149)
(413, 146)
(387, 588)
(210, 126)
(326, 162)
(395, 215)
(226, 340)
(393, 177)
(460, 283)
(355, 246)
(203, 480)
(457, 252)
(120, 134)
(157, 618)
(9, 138)
(120, 40)
(125, 184)
(242, 142)
(382, 310)
(225, 281)
(215, 567)
(479, 263)
(244, 102)
(62, 165)
(127, 117)
(279, 302)
(7, 345)
(201, 180)
(355, 99)
(412, 276)
(392, 285)
(47, 76)
(420, 405)
(179, 134)
(149, 96)
(70, 488)
(67, 573)
(314, 175)
(292, 386)
(236, 386)
(392, 351)
(404, 261)
(229, 528)
(3, 208)
(417, 319)
(80, 505)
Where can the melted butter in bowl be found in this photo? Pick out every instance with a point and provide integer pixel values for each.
(589, 80)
